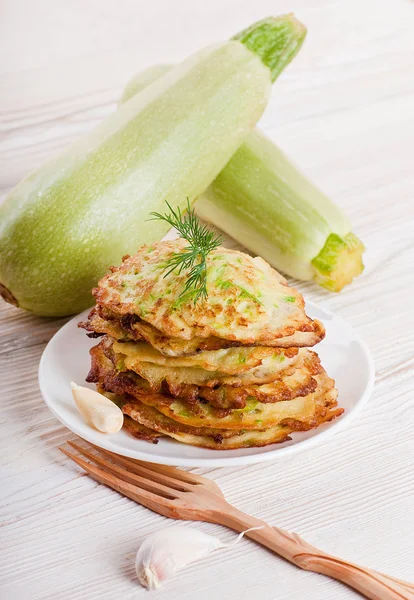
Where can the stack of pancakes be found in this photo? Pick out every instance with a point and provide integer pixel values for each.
(229, 371)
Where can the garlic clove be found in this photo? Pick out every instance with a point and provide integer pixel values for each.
(166, 551)
(97, 410)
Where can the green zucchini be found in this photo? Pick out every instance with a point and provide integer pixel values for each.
(67, 223)
(264, 201)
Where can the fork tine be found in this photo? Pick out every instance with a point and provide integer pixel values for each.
(178, 473)
(164, 469)
(136, 479)
(162, 506)
(144, 471)
(182, 475)
(172, 472)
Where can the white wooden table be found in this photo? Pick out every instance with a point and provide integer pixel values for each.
(345, 111)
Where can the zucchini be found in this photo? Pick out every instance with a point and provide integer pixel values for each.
(64, 225)
(263, 201)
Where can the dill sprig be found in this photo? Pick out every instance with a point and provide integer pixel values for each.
(201, 241)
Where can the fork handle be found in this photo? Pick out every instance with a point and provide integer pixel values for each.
(293, 548)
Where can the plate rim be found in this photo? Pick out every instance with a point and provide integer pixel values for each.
(225, 461)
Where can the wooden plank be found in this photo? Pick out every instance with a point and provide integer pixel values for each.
(344, 111)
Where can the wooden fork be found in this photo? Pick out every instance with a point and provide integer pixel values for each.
(182, 495)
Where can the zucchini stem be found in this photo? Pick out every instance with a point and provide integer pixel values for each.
(276, 40)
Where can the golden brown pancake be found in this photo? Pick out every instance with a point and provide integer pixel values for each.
(255, 414)
(216, 439)
(248, 301)
(131, 328)
(292, 382)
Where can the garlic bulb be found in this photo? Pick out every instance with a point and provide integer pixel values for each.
(166, 551)
(97, 410)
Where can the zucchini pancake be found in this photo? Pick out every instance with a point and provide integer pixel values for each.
(230, 370)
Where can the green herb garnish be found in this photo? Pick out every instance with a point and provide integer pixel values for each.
(201, 241)
(250, 406)
(180, 409)
(245, 294)
(224, 285)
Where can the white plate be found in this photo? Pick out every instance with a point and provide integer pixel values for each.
(344, 355)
